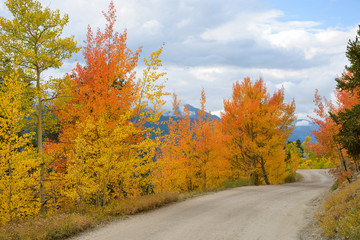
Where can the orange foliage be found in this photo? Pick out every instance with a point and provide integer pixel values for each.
(192, 155)
(327, 128)
(99, 101)
(257, 126)
(326, 143)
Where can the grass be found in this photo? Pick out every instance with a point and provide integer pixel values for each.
(335, 186)
(51, 227)
(62, 226)
(340, 216)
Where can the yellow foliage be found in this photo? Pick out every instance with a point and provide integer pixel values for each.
(275, 168)
(17, 158)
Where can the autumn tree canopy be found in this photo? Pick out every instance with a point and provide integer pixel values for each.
(33, 40)
(106, 115)
(348, 118)
(257, 125)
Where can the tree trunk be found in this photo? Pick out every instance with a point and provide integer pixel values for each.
(54, 196)
(343, 162)
(204, 180)
(253, 174)
(40, 143)
(121, 184)
(204, 169)
(10, 176)
(264, 172)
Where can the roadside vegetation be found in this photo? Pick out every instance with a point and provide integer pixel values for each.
(73, 221)
(77, 151)
(80, 147)
(337, 145)
(340, 216)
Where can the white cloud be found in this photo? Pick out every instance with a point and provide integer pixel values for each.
(302, 123)
(208, 74)
(217, 113)
(245, 25)
(211, 44)
(152, 26)
(312, 43)
(183, 23)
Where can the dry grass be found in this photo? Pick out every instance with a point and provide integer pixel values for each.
(62, 226)
(140, 204)
(341, 213)
(52, 227)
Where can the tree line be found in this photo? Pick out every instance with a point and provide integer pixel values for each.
(338, 134)
(80, 140)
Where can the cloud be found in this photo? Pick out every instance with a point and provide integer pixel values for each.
(152, 26)
(302, 123)
(211, 44)
(244, 26)
(217, 113)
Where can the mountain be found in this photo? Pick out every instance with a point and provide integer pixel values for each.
(194, 114)
(303, 127)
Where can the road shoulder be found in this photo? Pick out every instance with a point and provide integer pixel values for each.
(312, 230)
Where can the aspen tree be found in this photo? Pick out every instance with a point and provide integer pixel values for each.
(33, 38)
(17, 157)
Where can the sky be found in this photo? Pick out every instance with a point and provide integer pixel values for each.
(210, 44)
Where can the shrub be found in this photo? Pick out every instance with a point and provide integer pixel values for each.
(292, 178)
(341, 212)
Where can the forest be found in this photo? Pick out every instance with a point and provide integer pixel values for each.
(80, 141)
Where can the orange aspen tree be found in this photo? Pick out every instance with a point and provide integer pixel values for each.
(202, 128)
(99, 102)
(103, 141)
(218, 168)
(326, 144)
(185, 152)
(209, 158)
(257, 126)
(192, 155)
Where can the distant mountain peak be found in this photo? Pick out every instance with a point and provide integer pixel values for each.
(303, 128)
(194, 112)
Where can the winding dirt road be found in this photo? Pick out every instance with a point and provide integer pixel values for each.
(256, 212)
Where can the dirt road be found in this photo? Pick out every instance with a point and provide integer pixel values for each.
(246, 213)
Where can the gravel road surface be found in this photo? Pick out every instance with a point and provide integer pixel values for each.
(272, 212)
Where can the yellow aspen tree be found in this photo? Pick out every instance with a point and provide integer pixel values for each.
(168, 163)
(17, 157)
(33, 39)
(148, 112)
